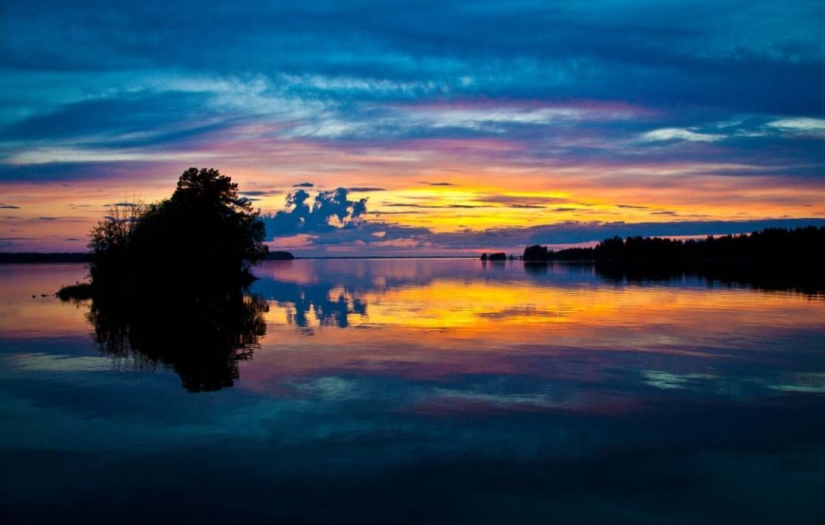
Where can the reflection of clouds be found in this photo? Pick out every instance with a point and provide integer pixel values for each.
(456, 336)
(322, 303)
(737, 387)
(802, 382)
(458, 362)
(529, 400)
(668, 381)
(329, 292)
(331, 389)
(517, 300)
(521, 311)
(60, 363)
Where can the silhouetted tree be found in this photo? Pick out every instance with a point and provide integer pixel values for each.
(168, 281)
(535, 253)
(111, 240)
(204, 233)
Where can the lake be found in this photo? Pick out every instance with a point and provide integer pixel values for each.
(415, 391)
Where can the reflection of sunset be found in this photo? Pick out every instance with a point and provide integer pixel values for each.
(24, 312)
(493, 322)
(488, 306)
(561, 338)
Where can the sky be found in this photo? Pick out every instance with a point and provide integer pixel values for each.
(417, 127)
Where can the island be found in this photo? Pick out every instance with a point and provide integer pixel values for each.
(204, 236)
(169, 281)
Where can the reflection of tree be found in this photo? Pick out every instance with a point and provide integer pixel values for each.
(775, 278)
(201, 336)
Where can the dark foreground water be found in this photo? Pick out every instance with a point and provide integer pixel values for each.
(415, 391)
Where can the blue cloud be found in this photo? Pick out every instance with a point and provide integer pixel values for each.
(329, 211)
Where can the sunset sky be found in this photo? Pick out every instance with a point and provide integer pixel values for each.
(468, 126)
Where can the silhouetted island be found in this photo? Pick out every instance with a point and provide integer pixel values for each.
(204, 235)
(498, 256)
(168, 281)
(279, 256)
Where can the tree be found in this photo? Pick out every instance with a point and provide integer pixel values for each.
(110, 241)
(205, 234)
(535, 253)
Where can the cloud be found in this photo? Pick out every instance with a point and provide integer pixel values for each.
(261, 193)
(521, 201)
(815, 126)
(497, 116)
(372, 237)
(432, 206)
(8, 207)
(581, 232)
(303, 185)
(364, 189)
(120, 121)
(330, 211)
(666, 134)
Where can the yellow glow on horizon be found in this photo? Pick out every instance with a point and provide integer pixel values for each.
(492, 306)
(443, 195)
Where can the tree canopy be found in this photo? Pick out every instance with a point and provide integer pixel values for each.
(204, 234)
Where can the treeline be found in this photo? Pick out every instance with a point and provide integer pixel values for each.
(772, 246)
(497, 256)
(279, 256)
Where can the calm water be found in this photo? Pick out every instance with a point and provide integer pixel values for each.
(417, 391)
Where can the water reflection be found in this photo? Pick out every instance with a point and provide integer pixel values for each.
(440, 391)
(802, 280)
(463, 336)
(202, 337)
(330, 304)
